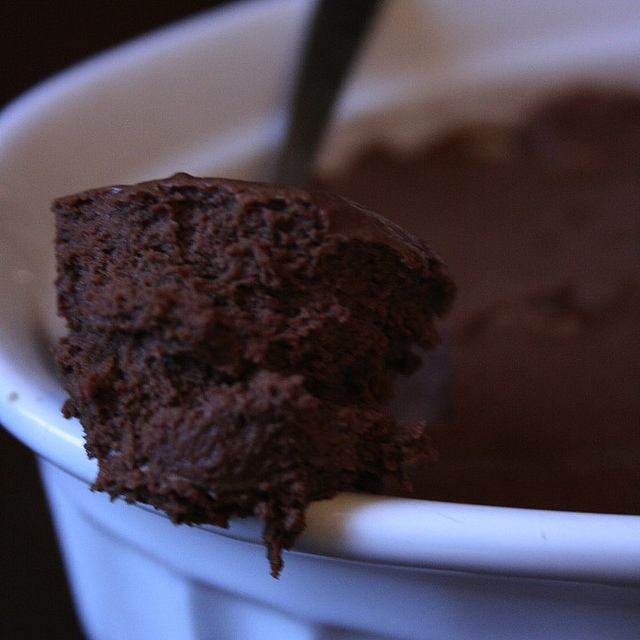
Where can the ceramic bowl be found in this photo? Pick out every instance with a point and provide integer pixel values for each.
(208, 96)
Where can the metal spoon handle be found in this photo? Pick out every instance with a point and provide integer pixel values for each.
(337, 29)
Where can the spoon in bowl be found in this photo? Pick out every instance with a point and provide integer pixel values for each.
(335, 35)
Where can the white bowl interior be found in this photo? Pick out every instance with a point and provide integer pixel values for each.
(208, 96)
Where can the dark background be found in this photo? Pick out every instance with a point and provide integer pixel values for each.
(39, 38)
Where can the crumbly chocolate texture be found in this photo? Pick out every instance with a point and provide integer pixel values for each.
(232, 346)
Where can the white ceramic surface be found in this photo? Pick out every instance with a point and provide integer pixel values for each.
(207, 96)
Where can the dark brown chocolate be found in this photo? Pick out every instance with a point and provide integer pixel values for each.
(232, 346)
(540, 222)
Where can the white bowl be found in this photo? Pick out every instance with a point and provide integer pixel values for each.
(207, 96)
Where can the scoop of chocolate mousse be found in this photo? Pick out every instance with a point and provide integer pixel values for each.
(232, 346)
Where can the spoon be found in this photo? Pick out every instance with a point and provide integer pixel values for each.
(337, 30)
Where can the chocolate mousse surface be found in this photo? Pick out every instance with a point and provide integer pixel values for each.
(540, 223)
(232, 346)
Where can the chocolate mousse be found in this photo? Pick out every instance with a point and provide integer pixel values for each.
(540, 223)
(232, 346)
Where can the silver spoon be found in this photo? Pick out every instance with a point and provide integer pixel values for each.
(337, 30)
